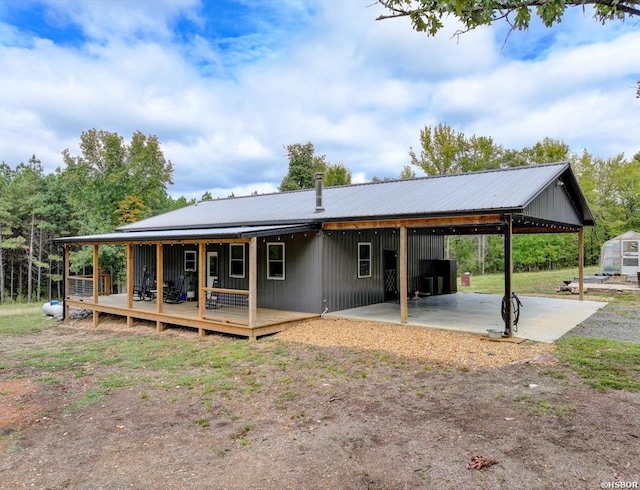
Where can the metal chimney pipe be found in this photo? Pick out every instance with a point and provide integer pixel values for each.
(319, 180)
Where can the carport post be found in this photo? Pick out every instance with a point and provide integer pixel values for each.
(403, 275)
(581, 263)
(508, 274)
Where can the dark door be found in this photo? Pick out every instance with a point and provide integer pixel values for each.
(390, 268)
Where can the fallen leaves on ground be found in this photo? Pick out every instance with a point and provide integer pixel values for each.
(479, 462)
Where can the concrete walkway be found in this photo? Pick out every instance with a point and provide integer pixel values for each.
(541, 319)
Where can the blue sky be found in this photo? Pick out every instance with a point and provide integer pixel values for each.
(226, 85)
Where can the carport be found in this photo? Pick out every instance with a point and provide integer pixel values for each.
(535, 199)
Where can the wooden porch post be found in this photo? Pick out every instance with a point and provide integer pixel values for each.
(581, 263)
(253, 283)
(96, 278)
(402, 256)
(65, 284)
(129, 283)
(202, 283)
(508, 275)
(159, 282)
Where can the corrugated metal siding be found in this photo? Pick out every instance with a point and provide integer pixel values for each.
(342, 289)
(300, 290)
(553, 204)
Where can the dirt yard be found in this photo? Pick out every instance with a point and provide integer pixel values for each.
(111, 408)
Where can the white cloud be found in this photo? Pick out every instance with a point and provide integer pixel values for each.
(326, 72)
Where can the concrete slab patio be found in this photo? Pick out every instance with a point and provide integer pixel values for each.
(541, 319)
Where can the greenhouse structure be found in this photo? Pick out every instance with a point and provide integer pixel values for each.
(620, 255)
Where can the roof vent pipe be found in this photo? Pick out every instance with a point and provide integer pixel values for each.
(319, 178)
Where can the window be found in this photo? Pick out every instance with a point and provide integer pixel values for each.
(275, 261)
(190, 260)
(236, 260)
(364, 260)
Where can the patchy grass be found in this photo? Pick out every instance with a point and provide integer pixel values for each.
(22, 319)
(604, 364)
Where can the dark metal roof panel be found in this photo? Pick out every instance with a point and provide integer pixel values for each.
(187, 234)
(473, 192)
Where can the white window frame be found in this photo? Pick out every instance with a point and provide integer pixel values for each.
(231, 260)
(269, 276)
(190, 261)
(361, 260)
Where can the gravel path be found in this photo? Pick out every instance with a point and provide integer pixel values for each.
(442, 347)
(616, 321)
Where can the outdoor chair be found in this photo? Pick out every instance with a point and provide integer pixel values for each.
(211, 298)
(174, 294)
(143, 292)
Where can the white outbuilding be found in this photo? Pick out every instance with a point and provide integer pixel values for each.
(620, 255)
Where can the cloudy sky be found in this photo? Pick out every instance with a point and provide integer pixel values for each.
(226, 85)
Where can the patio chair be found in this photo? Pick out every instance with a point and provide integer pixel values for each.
(174, 294)
(143, 292)
(211, 298)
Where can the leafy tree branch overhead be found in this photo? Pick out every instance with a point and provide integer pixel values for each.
(426, 15)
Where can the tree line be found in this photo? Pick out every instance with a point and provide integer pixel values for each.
(113, 182)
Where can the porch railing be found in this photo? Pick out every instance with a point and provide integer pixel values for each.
(82, 286)
(227, 305)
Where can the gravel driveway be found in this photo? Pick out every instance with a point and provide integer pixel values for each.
(616, 321)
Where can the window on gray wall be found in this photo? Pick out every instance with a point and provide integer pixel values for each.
(275, 261)
(236, 260)
(190, 260)
(364, 259)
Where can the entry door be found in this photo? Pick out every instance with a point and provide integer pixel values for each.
(212, 269)
(630, 257)
(390, 267)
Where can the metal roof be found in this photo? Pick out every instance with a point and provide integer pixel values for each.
(188, 234)
(502, 190)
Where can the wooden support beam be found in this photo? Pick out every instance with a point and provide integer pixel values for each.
(159, 279)
(130, 321)
(581, 263)
(402, 257)
(159, 326)
(96, 272)
(67, 251)
(253, 281)
(130, 276)
(202, 281)
(508, 275)
(489, 219)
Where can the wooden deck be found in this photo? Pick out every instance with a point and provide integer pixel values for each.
(186, 314)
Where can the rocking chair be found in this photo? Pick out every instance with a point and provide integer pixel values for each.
(174, 294)
(143, 291)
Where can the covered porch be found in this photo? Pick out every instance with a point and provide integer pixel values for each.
(215, 309)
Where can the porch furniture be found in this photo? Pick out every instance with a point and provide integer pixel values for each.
(174, 294)
(143, 292)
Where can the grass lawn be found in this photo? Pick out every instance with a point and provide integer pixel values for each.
(543, 282)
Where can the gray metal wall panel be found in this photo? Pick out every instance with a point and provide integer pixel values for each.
(342, 289)
(553, 204)
(301, 288)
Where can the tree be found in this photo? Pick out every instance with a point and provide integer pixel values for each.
(336, 174)
(446, 151)
(102, 181)
(426, 15)
(304, 163)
